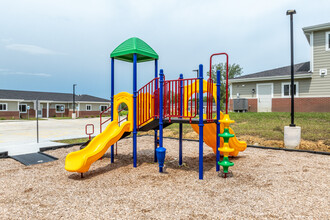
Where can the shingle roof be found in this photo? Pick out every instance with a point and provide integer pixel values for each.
(49, 96)
(301, 68)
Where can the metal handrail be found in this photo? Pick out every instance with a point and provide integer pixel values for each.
(101, 123)
(126, 118)
(227, 58)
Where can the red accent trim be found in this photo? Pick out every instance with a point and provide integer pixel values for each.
(145, 101)
(101, 123)
(91, 132)
(126, 118)
(227, 58)
(172, 98)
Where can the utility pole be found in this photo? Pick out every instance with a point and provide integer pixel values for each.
(74, 100)
(37, 108)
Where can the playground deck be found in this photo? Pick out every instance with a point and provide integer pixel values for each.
(267, 184)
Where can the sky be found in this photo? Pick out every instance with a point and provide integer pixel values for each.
(51, 45)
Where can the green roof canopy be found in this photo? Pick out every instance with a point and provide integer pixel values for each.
(133, 45)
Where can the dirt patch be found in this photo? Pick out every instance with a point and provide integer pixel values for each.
(304, 145)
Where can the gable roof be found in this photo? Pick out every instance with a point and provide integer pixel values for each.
(319, 27)
(133, 45)
(301, 70)
(47, 96)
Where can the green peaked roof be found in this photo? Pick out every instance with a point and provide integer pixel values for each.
(133, 45)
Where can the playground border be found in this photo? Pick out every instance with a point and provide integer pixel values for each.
(173, 138)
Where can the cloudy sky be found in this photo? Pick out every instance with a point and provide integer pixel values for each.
(49, 45)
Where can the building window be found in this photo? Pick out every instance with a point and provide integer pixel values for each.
(3, 107)
(59, 108)
(286, 89)
(103, 107)
(327, 40)
(88, 107)
(22, 108)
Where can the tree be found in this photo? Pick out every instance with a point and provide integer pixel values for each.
(234, 70)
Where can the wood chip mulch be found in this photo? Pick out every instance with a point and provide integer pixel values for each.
(267, 184)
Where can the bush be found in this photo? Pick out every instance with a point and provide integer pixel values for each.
(122, 113)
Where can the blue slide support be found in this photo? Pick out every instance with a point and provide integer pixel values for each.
(156, 87)
(180, 125)
(201, 124)
(134, 108)
(112, 95)
(161, 89)
(218, 118)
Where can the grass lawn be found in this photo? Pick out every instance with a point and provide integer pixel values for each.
(270, 125)
(73, 141)
(25, 119)
(60, 118)
(267, 129)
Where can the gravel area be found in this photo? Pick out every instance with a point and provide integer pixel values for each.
(267, 184)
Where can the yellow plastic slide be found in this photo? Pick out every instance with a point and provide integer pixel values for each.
(210, 129)
(210, 135)
(80, 161)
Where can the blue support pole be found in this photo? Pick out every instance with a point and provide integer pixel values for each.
(156, 87)
(201, 123)
(134, 108)
(112, 95)
(161, 88)
(180, 125)
(218, 118)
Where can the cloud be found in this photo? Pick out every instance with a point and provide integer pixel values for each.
(9, 72)
(31, 49)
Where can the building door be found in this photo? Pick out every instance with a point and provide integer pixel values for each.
(265, 94)
(40, 111)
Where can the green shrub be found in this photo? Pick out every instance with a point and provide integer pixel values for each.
(122, 113)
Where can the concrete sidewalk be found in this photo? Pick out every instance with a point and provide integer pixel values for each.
(20, 136)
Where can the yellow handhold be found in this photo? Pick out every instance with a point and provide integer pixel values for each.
(226, 121)
(225, 149)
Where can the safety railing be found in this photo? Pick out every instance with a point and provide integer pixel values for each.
(147, 99)
(123, 119)
(89, 133)
(101, 115)
(209, 102)
(180, 98)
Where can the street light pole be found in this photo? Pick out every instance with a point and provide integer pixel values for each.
(196, 72)
(291, 13)
(74, 98)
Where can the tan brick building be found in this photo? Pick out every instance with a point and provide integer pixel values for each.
(16, 104)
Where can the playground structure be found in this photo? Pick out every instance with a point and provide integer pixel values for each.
(157, 105)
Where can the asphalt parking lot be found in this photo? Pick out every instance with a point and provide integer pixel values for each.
(20, 136)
